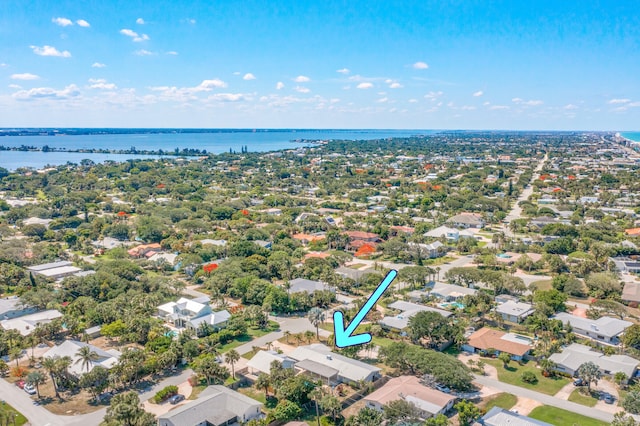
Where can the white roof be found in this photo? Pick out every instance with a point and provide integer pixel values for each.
(574, 355)
(214, 318)
(263, 359)
(183, 304)
(517, 309)
(606, 326)
(44, 266)
(169, 257)
(348, 368)
(27, 323)
(440, 231)
(500, 417)
(446, 290)
(70, 348)
(409, 309)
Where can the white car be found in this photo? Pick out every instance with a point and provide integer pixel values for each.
(30, 389)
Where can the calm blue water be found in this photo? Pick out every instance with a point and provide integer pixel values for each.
(212, 142)
(634, 136)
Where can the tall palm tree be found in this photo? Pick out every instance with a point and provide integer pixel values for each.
(51, 365)
(86, 356)
(36, 378)
(231, 358)
(316, 317)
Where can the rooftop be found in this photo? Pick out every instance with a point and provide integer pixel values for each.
(574, 355)
(488, 338)
(606, 326)
(409, 388)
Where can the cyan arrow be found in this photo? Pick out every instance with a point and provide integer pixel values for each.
(344, 336)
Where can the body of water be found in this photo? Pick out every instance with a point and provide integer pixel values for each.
(633, 136)
(214, 142)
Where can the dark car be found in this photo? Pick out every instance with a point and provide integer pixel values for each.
(176, 398)
(608, 398)
(579, 382)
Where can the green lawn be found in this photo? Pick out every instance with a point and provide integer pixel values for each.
(581, 398)
(513, 376)
(253, 393)
(559, 417)
(502, 400)
(542, 285)
(8, 412)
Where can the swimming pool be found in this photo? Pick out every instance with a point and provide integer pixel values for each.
(451, 305)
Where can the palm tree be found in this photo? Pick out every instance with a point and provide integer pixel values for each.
(263, 382)
(208, 346)
(15, 355)
(316, 317)
(86, 356)
(36, 378)
(287, 334)
(309, 335)
(51, 365)
(231, 358)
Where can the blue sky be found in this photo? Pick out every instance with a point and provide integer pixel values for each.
(326, 64)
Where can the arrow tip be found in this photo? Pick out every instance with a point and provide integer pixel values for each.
(343, 338)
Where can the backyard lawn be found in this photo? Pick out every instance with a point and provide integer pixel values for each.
(578, 397)
(502, 400)
(559, 417)
(513, 375)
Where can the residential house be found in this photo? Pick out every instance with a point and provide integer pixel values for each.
(12, 307)
(515, 312)
(55, 270)
(604, 329)
(192, 314)
(348, 369)
(367, 237)
(215, 406)
(408, 309)
(309, 238)
(300, 285)
(488, 340)
(70, 348)
(261, 362)
(272, 212)
(430, 402)
(25, 324)
(354, 274)
(451, 234)
(573, 356)
(143, 249)
(264, 244)
(500, 417)
(631, 293)
(467, 220)
(431, 251)
(626, 264)
(450, 292)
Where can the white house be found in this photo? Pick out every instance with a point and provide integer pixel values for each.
(604, 329)
(25, 324)
(348, 369)
(70, 348)
(514, 311)
(409, 309)
(12, 307)
(192, 313)
(574, 355)
(217, 406)
(467, 220)
(261, 362)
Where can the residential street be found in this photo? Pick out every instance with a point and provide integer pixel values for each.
(545, 399)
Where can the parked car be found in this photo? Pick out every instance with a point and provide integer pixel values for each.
(176, 398)
(579, 382)
(443, 388)
(20, 384)
(29, 389)
(608, 398)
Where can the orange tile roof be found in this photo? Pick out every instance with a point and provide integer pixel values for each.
(632, 231)
(487, 338)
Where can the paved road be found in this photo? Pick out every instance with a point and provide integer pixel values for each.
(545, 399)
(40, 416)
(516, 210)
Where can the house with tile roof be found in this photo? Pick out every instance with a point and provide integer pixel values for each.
(487, 340)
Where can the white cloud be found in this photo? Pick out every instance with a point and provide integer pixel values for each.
(570, 107)
(486, 103)
(47, 93)
(279, 85)
(301, 89)
(15, 86)
(24, 76)
(467, 108)
(413, 101)
(383, 100)
(143, 52)
(140, 21)
(498, 107)
(344, 71)
(395, 85)
(134, 35)
(98, 65)
(50, 51)
(171, 52)
(207, 85)
(101, 83)
(634, 104)
(478, 93)
(433, 95)
(2, 65)
(63, 22)
(83, 23)
(188, 93)
(302, 79)
(420, 65)
(226, 97)
(191, 21)
(249, 76)
(532, 102)
(365, 85)
(619, 101)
